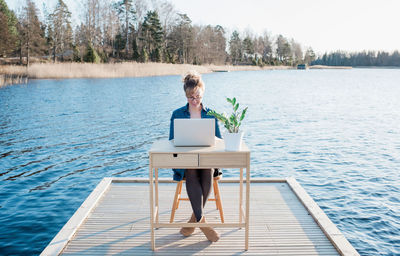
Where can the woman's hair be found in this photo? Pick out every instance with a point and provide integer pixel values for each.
(192, 83)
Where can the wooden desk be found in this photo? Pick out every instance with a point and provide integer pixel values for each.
(163, 154)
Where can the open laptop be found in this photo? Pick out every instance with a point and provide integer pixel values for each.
(194, 132)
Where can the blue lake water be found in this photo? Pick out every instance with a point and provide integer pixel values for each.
(336, 131)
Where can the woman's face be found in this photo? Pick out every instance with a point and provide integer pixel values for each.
(195, 98)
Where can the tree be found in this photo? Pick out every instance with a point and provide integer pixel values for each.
(31, 32)
(166, 12)
(370, 58)
(92, 22)
(62, 31)
(8, 30)
(152, 35)
(76, 54)
(180, 40)
(265, 48)
(309, 56)
(91, 55)
(135, 49)
(235, 47)
(297, 52)
(127, 13)
(210, 44)
(283, 50)
(248, 48)
(111, 26)
(144, 57)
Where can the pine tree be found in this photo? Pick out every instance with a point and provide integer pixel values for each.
(127, 15)
(283, 50)
(8, 30)
(144, 57)
(152, 35)
(76, 54)
(135, 54)
(91, 55)
(235, 47)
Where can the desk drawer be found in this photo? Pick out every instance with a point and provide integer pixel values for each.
(170, 160)
(223, 160)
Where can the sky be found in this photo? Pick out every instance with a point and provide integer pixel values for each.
(326, 26)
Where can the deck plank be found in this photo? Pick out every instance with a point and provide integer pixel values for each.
(279, 224)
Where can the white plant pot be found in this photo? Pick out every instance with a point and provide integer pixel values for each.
(233, 141)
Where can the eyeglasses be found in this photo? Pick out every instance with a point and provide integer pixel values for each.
(195, 98)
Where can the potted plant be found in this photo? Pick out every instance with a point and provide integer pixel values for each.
(233, 136)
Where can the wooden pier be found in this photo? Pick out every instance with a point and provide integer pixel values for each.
(284, 220)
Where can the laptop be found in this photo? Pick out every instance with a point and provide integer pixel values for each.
(194, 132)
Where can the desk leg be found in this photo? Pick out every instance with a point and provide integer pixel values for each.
(247, 207)
(241, 196)
(152, 240)
(156, 195)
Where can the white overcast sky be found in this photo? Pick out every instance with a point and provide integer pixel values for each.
(351, 25)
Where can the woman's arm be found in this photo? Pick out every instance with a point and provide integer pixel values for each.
(217, 132)
(171, 127)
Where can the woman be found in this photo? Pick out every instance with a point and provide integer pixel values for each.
(198, 181)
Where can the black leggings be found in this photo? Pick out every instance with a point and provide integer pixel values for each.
(198, 187)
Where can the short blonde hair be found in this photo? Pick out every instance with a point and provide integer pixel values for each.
(192, 82)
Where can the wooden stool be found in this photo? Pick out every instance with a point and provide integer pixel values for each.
(217, 198)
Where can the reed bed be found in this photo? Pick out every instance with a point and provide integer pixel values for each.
(111, 70)
(114, 70)
(126, 69)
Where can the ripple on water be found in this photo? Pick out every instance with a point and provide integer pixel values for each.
(54, 152)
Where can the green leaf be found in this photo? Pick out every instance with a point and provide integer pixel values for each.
(235, 122)
(232, 117)
(243, 114)
(232, 122)
(236, 107)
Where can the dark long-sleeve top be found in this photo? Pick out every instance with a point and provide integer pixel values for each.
(183, 112)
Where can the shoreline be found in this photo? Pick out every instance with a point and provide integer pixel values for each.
(119, 70)
(114, 70)
(123, 69)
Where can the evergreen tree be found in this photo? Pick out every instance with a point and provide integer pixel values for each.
(135, 55)
(91, 55)
(152, 35)
(283, 50)
(248, 49)
(8, 30)
(144, 57)
(127, 14)
(235, 47)
(120, 43)
(76, 54)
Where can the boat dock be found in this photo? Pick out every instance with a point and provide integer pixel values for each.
(284, 220)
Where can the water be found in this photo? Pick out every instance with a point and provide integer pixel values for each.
(336, 131)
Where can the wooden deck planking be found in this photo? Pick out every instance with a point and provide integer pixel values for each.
(279, 224)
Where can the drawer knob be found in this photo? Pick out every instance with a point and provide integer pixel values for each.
(175, 155)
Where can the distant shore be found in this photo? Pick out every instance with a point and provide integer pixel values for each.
(329, 67)
(113, 70)
(15, 74)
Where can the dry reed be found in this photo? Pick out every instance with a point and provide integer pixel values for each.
(11, 74)
(126, 69)
(113, 70)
